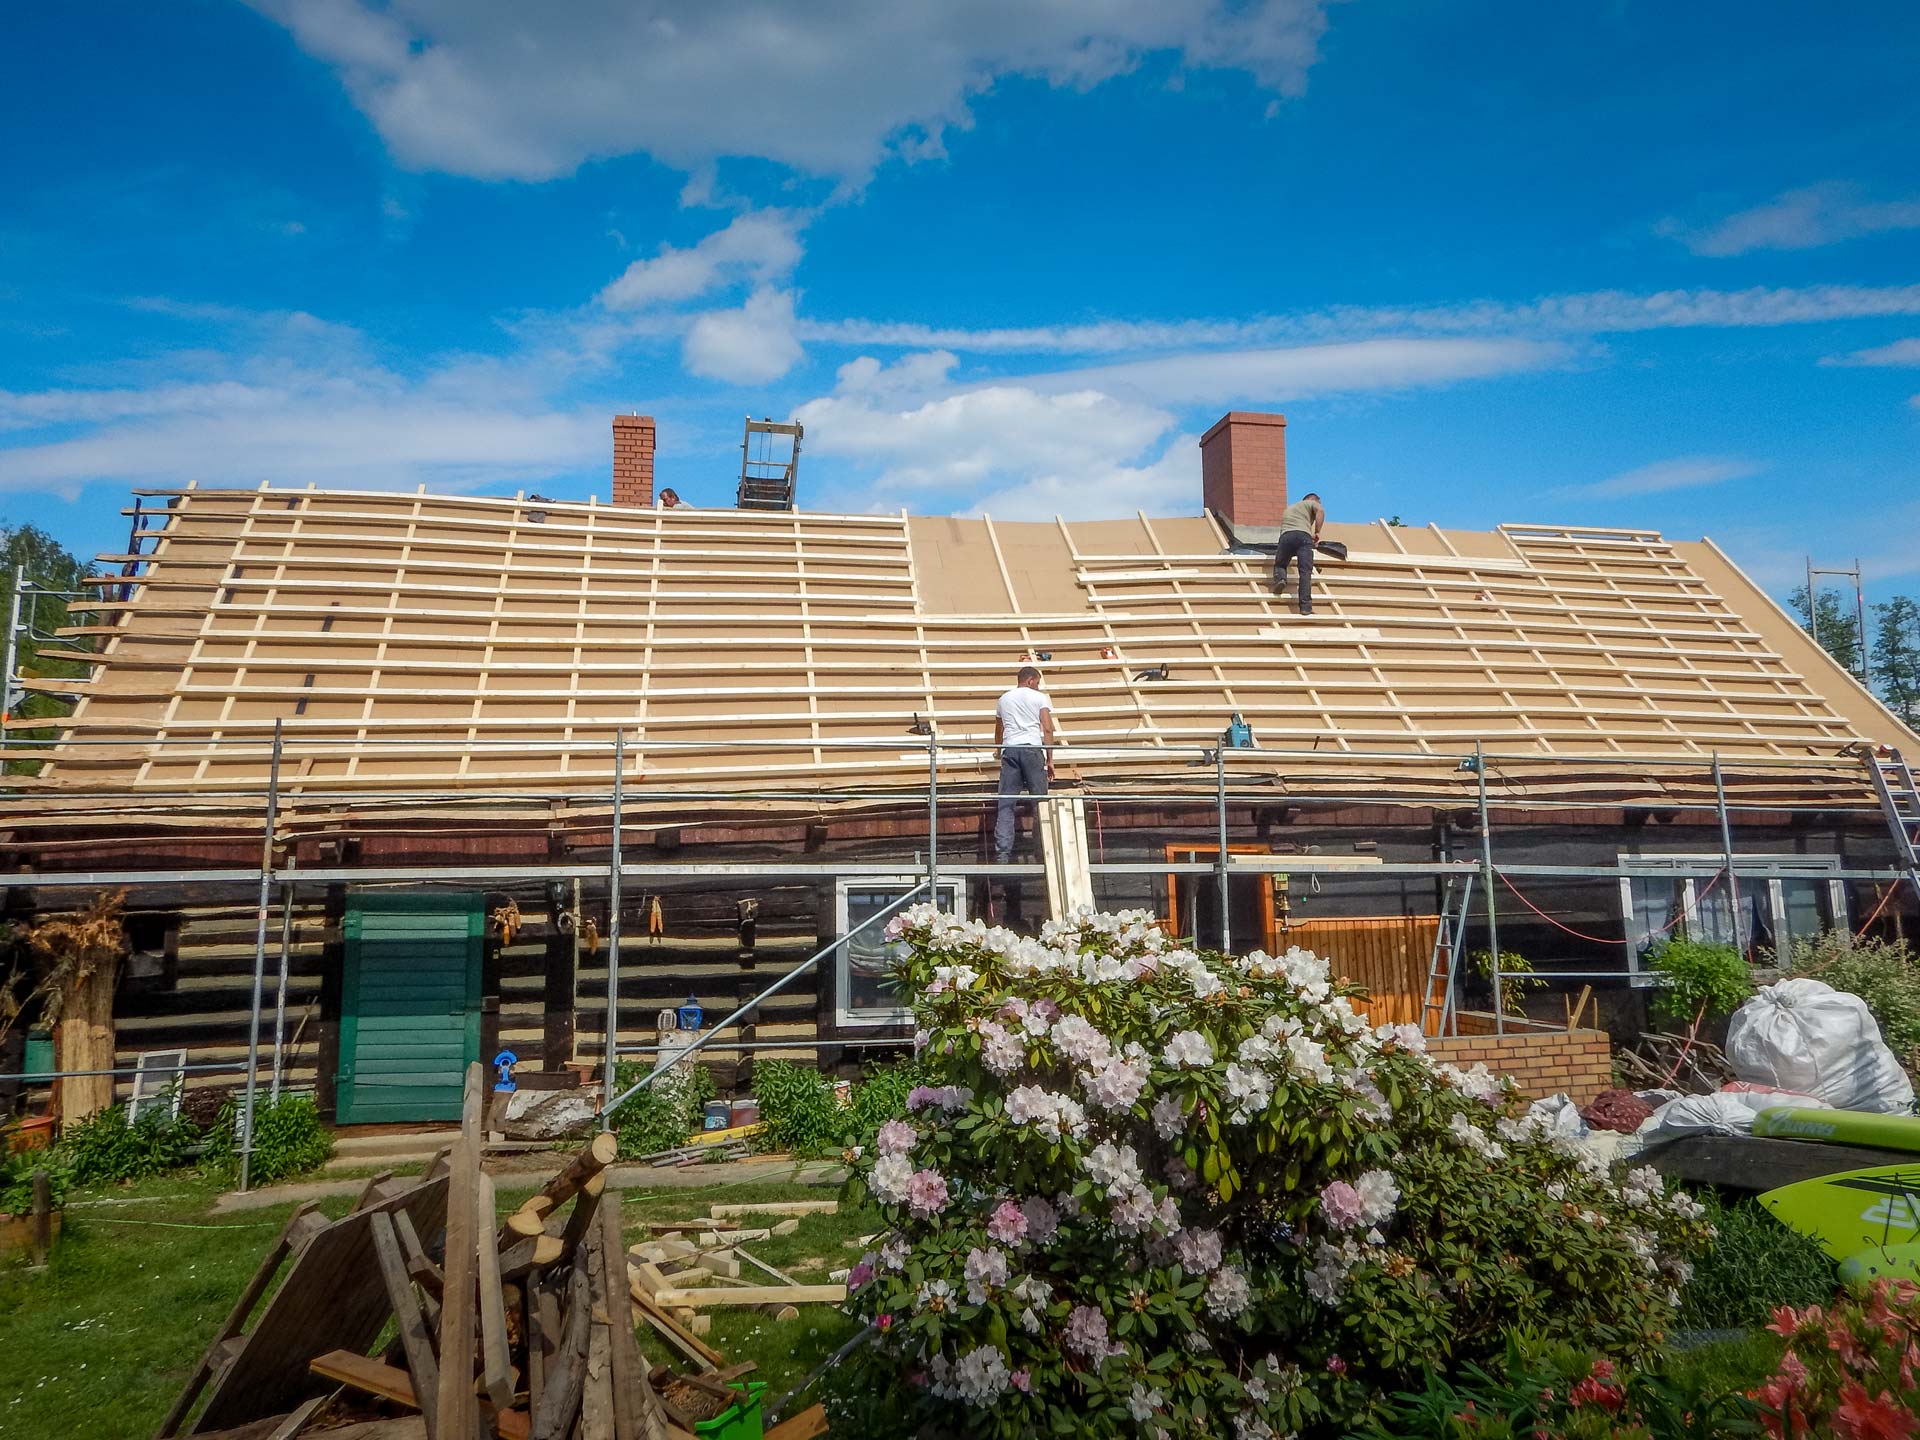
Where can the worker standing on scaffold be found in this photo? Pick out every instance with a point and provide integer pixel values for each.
(1023, 729)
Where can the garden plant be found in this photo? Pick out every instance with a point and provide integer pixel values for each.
(1145, 1191)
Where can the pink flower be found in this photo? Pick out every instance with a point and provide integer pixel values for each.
(1087, 1334)
(1861, 1417)
(1342, 1205)
(1793, 1369)
(1022, 1380)
(1008, 1223)
(883, 1323)
(1335, 1365)
(1043, 1221)
(926, 1194)
(1786, 1320)
(896, 1137)
(859, 1275)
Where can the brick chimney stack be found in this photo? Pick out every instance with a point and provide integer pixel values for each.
(1243, 468)
(633, 460)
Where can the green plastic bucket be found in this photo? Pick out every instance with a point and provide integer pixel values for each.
(741, 1421)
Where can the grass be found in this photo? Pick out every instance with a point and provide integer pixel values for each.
(1756, 1265)
(100, 1342)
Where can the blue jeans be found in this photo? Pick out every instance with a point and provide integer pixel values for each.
(1023, 768)
(1296, 545)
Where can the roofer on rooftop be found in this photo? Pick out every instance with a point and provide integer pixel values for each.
(1299, 533)
(1023, 729)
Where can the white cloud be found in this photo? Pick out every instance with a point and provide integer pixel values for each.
(1900, 352)
(1095, 441)
(747, 346)
(1684, 472)
(1270, 376)
(971, 441)
(491, 89)
(301, 401)
(1801, 219)
(1590, 313)
(761, 247)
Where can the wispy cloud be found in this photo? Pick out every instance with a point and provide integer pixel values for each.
(1900, 352)
(1684, 472)
(1803, 219)
(761, 248)
(1597, 312)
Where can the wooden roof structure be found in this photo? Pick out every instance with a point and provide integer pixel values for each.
(416, 645)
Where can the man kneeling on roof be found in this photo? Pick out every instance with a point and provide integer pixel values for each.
(1023, 729)
(1299, 533)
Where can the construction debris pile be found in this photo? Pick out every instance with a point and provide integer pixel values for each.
(524, 1330)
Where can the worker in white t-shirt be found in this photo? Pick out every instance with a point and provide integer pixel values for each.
(1023, 729)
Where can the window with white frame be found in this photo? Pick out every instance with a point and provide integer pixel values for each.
(1803, 897)
(864, 990)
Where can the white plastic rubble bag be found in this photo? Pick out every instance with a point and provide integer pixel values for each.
(1805, 1035)
(1726, 1112)
(1559, 1116)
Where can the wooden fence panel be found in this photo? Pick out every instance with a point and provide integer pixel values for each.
(1387, 954)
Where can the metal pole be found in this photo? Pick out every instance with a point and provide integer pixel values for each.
(1813, 613)
(1860, 616)
(1220, 817)
(260, 959)
(13, 643)
(280, 995)
(1726, 846)
(933, 815)
(608, 1106)
(613, 929)
(1486, 880)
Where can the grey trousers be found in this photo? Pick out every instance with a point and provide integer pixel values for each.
(1296, 545)
(1022, 768)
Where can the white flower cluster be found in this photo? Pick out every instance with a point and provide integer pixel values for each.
(1054, 1115)
(1472, 1137)
(978, 1378)
(985, 1269)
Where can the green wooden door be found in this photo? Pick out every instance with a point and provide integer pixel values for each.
(410, 1006)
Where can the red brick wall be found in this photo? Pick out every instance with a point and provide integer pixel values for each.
(1541, 1062)
(1243, 468)
(633, 460)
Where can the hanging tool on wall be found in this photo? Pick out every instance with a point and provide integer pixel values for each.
(589, 937)
(656, 922)
(1282, 904)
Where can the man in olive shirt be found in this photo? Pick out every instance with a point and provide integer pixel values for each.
(1299, 533)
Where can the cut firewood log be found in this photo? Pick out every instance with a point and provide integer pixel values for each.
(534, 1253)
(590, 1160)
(586, 1202)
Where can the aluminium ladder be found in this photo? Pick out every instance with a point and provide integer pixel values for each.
(1900, 801)
(1437, 1015)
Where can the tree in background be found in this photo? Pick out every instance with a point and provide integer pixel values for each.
(1834, 626)
(1896, 656)
(53, 569)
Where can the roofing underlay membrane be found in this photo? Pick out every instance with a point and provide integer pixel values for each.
(416, 645)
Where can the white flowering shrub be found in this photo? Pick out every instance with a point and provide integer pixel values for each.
(1163, 1194)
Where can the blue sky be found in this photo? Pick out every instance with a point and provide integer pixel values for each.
(1613, 263)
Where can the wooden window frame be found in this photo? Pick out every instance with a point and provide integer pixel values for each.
(1178, 854)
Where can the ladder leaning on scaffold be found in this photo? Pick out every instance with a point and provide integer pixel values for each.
(1437, 1016)
(1900, 802)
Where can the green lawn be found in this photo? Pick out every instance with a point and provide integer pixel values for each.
(99, 1343)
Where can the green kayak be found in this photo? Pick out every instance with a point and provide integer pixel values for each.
(1855, 1211)
(1841, 1127)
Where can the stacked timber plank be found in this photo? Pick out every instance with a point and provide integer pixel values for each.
(524, 1330)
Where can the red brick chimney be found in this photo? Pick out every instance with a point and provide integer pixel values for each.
(1243, 468)
(633, 460)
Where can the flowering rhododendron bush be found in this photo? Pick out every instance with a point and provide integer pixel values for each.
(1851, 1369)
(1165, 1194)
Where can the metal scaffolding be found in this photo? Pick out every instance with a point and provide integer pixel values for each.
(279, 873)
